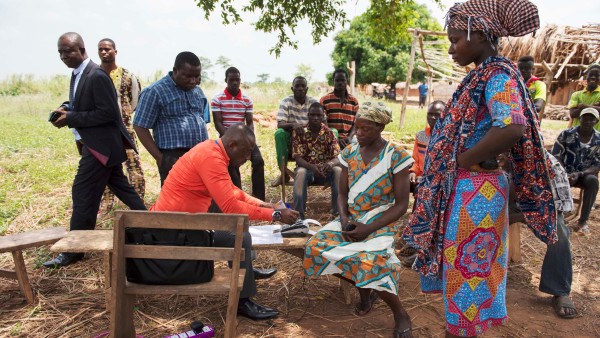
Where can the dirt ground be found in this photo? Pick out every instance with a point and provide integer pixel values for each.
(70, 301)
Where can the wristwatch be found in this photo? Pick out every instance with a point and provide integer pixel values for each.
(276, 216)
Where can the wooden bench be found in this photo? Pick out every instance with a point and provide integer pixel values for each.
(90, 241)
(225, 281)
(16, 243)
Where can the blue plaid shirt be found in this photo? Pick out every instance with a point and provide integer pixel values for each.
(175, 116)
(573, 155)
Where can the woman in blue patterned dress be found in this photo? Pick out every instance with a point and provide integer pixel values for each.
(373, 193)
(460, 219)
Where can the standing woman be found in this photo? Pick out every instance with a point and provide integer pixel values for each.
(460, 220)
(373, 194)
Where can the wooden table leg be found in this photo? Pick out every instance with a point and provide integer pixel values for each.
(21, 272)
(107, 262)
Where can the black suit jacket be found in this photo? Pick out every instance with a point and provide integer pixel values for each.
(96, 116)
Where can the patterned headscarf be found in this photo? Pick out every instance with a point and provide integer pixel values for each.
(376, 112)
(495, 18)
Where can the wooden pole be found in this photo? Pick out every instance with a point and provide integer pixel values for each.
(352, 70)
(411, 63)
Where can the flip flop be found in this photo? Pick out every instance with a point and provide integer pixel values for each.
(564, 302)
(359, 311)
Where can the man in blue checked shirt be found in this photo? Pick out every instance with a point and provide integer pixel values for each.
(175, 108)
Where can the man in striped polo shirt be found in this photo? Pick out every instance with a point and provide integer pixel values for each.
(232, 107)
(340, 108)
(292, 115)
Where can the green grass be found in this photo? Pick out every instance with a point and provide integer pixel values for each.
(38, 162)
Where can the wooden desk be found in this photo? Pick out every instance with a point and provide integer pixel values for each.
(102, 241)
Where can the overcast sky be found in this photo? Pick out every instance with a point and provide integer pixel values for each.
(150, 33)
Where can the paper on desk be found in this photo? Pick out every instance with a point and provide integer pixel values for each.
(263, 234)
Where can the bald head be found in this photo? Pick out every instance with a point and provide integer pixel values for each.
(74, 38)
(238, 140)
(71, 49)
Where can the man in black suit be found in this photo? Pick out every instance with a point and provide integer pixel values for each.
(93, 111)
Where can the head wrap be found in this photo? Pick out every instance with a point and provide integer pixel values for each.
(495, 18)
(375, 112)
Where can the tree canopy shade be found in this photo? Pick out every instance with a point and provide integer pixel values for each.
(389, 18)
(382, 60)
(282, 16)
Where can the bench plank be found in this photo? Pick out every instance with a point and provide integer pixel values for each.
(25, 240)
(218, 285)
(85, 241)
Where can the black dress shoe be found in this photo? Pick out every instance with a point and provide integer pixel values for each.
(250, 309)
(64, 259)
(263, 273)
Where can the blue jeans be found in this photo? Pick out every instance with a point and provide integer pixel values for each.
(304, 177)
(557, 270)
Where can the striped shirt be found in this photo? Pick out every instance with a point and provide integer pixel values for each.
(292, 111)
(174, 115)
(233, 109)
(340, 115)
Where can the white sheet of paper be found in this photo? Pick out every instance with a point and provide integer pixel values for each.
(263, 234)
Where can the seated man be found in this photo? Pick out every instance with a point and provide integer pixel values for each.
(200, 176)
(557, 269)
(292, 115)
(577, 149)
(421, 141)
(315, 151)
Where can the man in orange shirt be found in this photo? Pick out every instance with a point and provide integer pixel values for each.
(200, 176)
(421, 141)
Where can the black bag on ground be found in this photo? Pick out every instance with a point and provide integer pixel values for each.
(168, 271)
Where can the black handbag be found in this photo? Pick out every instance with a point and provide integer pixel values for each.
(168, 271)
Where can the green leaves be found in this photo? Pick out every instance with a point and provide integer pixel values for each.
(283, 17)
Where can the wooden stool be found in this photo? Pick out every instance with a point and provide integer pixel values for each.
(16, 243)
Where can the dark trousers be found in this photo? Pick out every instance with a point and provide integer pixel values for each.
(258, 174)
(224, 239)
(170, 156)
(589, 184)
(88, 186)
(557, 269)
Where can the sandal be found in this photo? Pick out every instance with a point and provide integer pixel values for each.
(564, 302)
(359, 311)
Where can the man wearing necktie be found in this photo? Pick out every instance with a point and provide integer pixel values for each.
(93, 111)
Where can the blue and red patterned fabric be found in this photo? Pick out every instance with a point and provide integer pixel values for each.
(461, 126)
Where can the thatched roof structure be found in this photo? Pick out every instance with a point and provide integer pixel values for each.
(561, 52)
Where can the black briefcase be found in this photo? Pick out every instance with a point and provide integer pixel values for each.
(168, 271)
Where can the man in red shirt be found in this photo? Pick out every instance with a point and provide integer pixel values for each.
(200, 176)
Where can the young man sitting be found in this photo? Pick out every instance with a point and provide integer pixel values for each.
(315, 150)
(578, 150)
